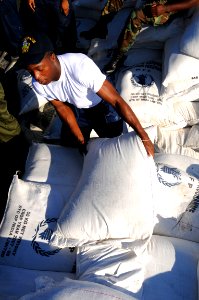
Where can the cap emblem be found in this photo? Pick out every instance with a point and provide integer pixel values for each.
(26, 44)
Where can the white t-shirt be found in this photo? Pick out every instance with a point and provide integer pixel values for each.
(78, 84)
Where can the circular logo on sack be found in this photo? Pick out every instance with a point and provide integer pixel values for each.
(42, 236)
(142, 79)
(172, 173)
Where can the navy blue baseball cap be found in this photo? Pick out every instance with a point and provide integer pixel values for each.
(34, 48)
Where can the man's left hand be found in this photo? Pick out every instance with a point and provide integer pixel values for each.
(157, 10)
(149, 147)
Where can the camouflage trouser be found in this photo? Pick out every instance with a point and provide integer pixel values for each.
(137, 19)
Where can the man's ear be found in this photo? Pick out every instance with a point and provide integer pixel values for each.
(53, 56)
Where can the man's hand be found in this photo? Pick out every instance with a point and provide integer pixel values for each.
(158, 9)
(149, 147)
(108, 93)
(31, 4)
(64, 7)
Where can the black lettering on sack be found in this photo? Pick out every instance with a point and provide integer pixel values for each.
(16, 246)
(16, 232)
(149, 65)
(25, 221)
(12, 228)
(18, 227)
(22, 214)
(145, 97)
(23, 228)
(13, 241)
(7, 242)
(19, 209)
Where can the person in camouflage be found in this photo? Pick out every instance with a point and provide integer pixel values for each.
(13, 149)
(153, 12)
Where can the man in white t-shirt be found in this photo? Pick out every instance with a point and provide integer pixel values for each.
(82, 96)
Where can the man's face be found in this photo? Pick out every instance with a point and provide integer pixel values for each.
(47, 70)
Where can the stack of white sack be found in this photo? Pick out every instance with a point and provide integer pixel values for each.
(135, 240)
(53, 174)
(116, 251)
(33, 207)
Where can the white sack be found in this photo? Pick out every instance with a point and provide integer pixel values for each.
(171, 272)
(109, 200)
(140, 87)
(53, 164)
(109, 263)
(177, 66)
(29, 99)
(180, 91)
(70, 289)
(173, 142)
(185, 163)
(190, 39)
(155, 36)
(181, 114)
(192, 139)
(180, 78)
(16, 282)
(176, 191)
(188, 112)
(30, 217)
(142, 55)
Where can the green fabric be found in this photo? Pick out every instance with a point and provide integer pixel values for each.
(9, 126)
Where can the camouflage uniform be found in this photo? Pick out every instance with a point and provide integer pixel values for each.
(9, 126)
(136, 20)
(13, 149)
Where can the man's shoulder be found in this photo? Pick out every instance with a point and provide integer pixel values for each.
(72, 57)
(75, 63)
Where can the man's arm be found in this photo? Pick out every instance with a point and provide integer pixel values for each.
(67, 115)
(109, 94)
(159, 9)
